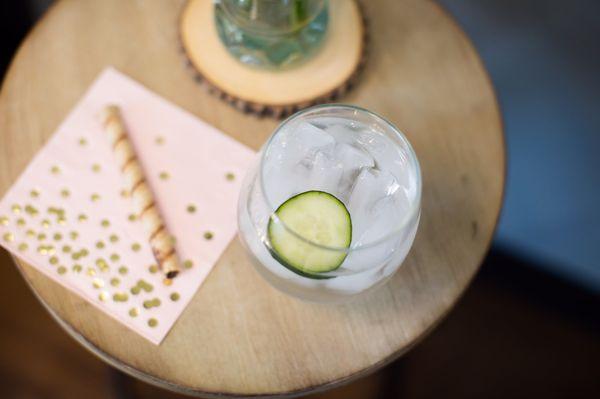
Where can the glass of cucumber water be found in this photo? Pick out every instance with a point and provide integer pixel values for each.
(271, 34)
(332, 206)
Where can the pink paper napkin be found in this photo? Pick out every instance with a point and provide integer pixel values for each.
(67, 215)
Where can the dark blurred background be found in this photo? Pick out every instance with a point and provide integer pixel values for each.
(529, 325)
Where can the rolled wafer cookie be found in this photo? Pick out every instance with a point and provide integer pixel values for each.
(141, 195)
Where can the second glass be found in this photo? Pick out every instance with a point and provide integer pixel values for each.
(332, 207)
(271, 33)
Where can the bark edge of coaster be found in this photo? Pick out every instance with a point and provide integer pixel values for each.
(328, 75)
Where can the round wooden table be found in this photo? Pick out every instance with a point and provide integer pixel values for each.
(239, 336)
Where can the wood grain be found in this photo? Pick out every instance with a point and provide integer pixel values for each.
(239, 336)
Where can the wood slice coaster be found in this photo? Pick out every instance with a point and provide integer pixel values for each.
(325, 77)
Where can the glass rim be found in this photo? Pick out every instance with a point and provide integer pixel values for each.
(415, 205)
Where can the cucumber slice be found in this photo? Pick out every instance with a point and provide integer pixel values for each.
(318, 217)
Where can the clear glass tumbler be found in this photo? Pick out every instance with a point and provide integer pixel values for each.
(271, 33)
(358, 158)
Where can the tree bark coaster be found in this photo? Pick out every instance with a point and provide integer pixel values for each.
(325, 77)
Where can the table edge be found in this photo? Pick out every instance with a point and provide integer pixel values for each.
(182, 389)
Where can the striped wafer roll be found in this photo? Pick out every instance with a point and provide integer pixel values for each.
(141, 195)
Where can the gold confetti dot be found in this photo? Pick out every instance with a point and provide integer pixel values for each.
(83, 141)
(208, 235)
(74, 235)
(46, 223)
(164, 176)
(55, 170)
(51, 250)
(135, 290)
(61, 270)
(134, 312)
(105, 223)
(42, 250)
(123, 270)
(34, 193)
(82, 217)
(115, 282)
(66, 249)
(8, 237)
(95, 197)
(77, 268)
(23, 246)
(16, 209)
(174, 297)
(53, 260)
(191, 208)
(91, 271)
(4, 221)
(229, 176)
(96, 168)
(65, 193)
(135, 247)
(21, 222)
(31, 210)
(145, 285)
(151, 303)
(30, 233)
(41, 237)
(153, 269)
(102, 265)
(57, 237)
(120, 297)
(132, 217)
(188, 264)
(124, 193)
(103, 296)
(152, 322)
(61, 220)
(98, 283)
(159, 140)
(167, 282)
(76, 256)
(114, 257)
(113, 238)
(84, 252)
(100, 245)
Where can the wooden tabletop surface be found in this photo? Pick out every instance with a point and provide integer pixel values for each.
(238, 335)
